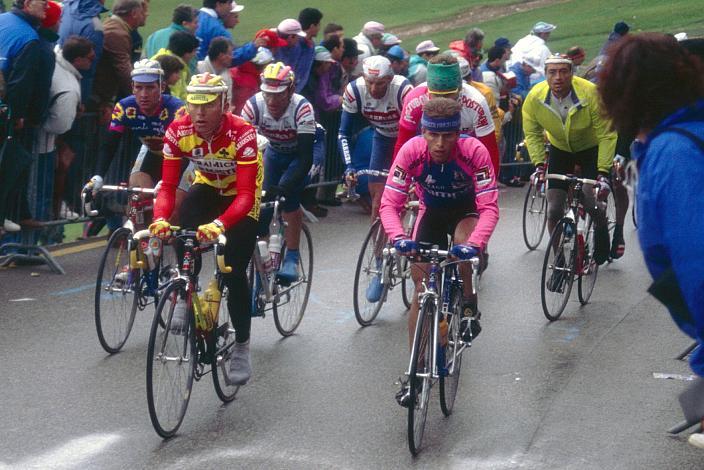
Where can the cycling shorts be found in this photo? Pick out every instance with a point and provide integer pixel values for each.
(381, 155)
(565, 163)
(151, 163)
(434, 225)
(278, 166)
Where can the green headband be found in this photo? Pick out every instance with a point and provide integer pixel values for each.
(444, 78)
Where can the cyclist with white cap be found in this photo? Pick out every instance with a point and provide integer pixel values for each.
(147, 113)
(224, 198)
(445, 80)
(288, 121)
(369, 42)
(418, 65)
(567, 110)
(377, 96)
(533, 45)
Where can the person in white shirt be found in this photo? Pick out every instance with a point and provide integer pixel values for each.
(369, 42)
(218, 61)
(534, 45)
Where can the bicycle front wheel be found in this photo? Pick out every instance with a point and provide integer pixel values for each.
(558, 269)
(589, 268)
(419, 378)
(290, 301)
(116, 293)
(535, 208)
(408, 287)
(450, 380)
(369, 287)
(171, 364)
(224, 341)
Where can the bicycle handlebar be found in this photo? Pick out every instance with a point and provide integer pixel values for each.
(219, 244)
(367, 172)
(570, 178)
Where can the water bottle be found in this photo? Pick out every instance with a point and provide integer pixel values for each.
(264, 256)
(211, 304)
(275, 250)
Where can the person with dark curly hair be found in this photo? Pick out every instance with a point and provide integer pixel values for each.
(653, 88)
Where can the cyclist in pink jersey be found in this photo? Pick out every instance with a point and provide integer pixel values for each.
(445, 80)
(455, 182)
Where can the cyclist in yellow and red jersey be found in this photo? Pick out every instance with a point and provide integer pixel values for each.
(224, 197)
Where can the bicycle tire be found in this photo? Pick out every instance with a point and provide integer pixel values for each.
(287, 322)
(186, 354)
(408, 287)
(534, 227)
(558, 238)
(588, 271)
(450, 383)
(366, 311)
(114, 315)
(418, 408)
(223, 342)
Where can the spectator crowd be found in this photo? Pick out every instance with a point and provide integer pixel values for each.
(66, 60)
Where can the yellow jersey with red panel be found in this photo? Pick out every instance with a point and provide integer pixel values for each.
(230, 162)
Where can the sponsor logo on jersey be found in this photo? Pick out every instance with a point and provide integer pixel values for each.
(249, 152)
(483, 176)
(131, 112)
(247, 138)
(197, 152)
(399, 176)
(215, 166)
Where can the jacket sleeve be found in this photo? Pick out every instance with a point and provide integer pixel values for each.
(396, 192)
(534, 137)
(243, 54)
(62, 113)
(170, 175)
(119, 46)
(606, 137)
(23, 79)
(487, 197)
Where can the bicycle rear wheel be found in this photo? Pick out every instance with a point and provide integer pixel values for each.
(534, 216)
(589, 269)
(420, 386)
(171, 364)
(224, 341)
(558, 269)
(368, 298)
(116, 293)
(290, 301)
(453, 360)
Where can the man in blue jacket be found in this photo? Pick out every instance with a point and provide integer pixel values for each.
(82, 18)
(20, 59)
(210, 26)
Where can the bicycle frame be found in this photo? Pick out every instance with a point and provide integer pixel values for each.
(267, 279)
(431, 293)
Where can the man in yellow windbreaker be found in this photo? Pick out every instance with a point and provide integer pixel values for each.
(568, 111)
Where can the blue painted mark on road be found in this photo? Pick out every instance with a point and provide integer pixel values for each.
(330, 270)
(314, 298)
(74, 290)
(343, 316)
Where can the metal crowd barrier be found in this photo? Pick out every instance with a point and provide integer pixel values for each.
(53, 191)
(53, 184)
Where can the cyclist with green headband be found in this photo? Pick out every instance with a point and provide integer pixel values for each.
(445, 80)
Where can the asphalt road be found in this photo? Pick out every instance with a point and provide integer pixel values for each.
(575, 394)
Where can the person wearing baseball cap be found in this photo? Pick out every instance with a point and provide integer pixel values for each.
(534, 45)
(418, 63)
(399, 60)
(369, 41)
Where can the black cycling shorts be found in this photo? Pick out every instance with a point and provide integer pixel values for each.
(564, 163)
(436, 224)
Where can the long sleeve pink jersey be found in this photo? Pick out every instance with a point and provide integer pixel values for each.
(466, 180)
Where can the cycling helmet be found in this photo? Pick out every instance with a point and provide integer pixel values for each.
(263, 57)
(146, 71)
(277, 78)
(205, 88)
